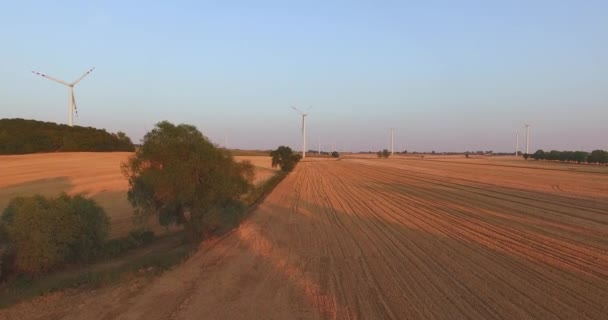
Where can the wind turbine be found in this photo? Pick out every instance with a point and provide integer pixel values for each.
(319, 145)
(304, 114)
(516, 142)
(527, 137)
(71, 86)
(392, 141)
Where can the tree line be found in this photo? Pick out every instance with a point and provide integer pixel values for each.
(596, 156)
(21, 136)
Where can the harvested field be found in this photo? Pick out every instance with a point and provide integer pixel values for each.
(387, 239)
(94, 174)
(263, 167)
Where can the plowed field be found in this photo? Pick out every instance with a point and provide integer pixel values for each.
(388, 239)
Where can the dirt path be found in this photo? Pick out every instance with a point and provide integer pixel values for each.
(367, 240)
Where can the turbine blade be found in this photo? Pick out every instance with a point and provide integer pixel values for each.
(51, 78)
(298, 110)
(74, 103)
(303, 125)
(84, 75)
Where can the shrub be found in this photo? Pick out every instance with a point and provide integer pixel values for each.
(384, 154)
(134, 239)
(45, 233)
(335, 154)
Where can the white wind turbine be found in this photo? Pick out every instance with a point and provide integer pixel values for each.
(71, 86)
(527, 126)
(517, 142)
(392, 141)
(304, 114)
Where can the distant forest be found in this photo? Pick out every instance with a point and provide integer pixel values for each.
(20, 136)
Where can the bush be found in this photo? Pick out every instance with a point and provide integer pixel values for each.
(335, 154)
(285, 158)
(384, 154)
(134, 239)
(45, 233)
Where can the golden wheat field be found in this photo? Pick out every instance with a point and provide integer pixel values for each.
(94, 174)
(399, 238)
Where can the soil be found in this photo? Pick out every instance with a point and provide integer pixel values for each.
(386, 239)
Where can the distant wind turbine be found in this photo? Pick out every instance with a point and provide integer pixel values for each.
(304, 114)
(71, 86)
(527, 137)
(517, 142)
(319, 145)
(392, 141)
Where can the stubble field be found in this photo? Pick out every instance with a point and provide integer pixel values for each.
(93, 174)
(390, 239)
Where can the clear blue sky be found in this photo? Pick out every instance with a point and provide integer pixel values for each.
(448, 75)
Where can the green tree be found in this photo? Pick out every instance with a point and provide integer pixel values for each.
(598, 156)
(580, 156)
(285, 158)
(335, 154)
(538, 155)
(45, 233)
(179, 175)
(553, 155)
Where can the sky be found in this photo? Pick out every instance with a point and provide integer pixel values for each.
(447, 75)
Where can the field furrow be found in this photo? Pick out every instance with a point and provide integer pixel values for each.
(394, 239)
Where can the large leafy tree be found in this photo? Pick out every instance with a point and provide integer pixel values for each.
(598, 156)
(539, 155)
(285, 158)
(179, 175)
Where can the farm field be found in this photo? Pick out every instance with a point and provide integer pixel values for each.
(94, 174)
(387, 239)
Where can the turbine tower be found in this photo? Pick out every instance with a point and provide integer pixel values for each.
(319, 145)
(516, 142)
(392, 141)
(304, 114)
(71, 86)
(527, 137)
